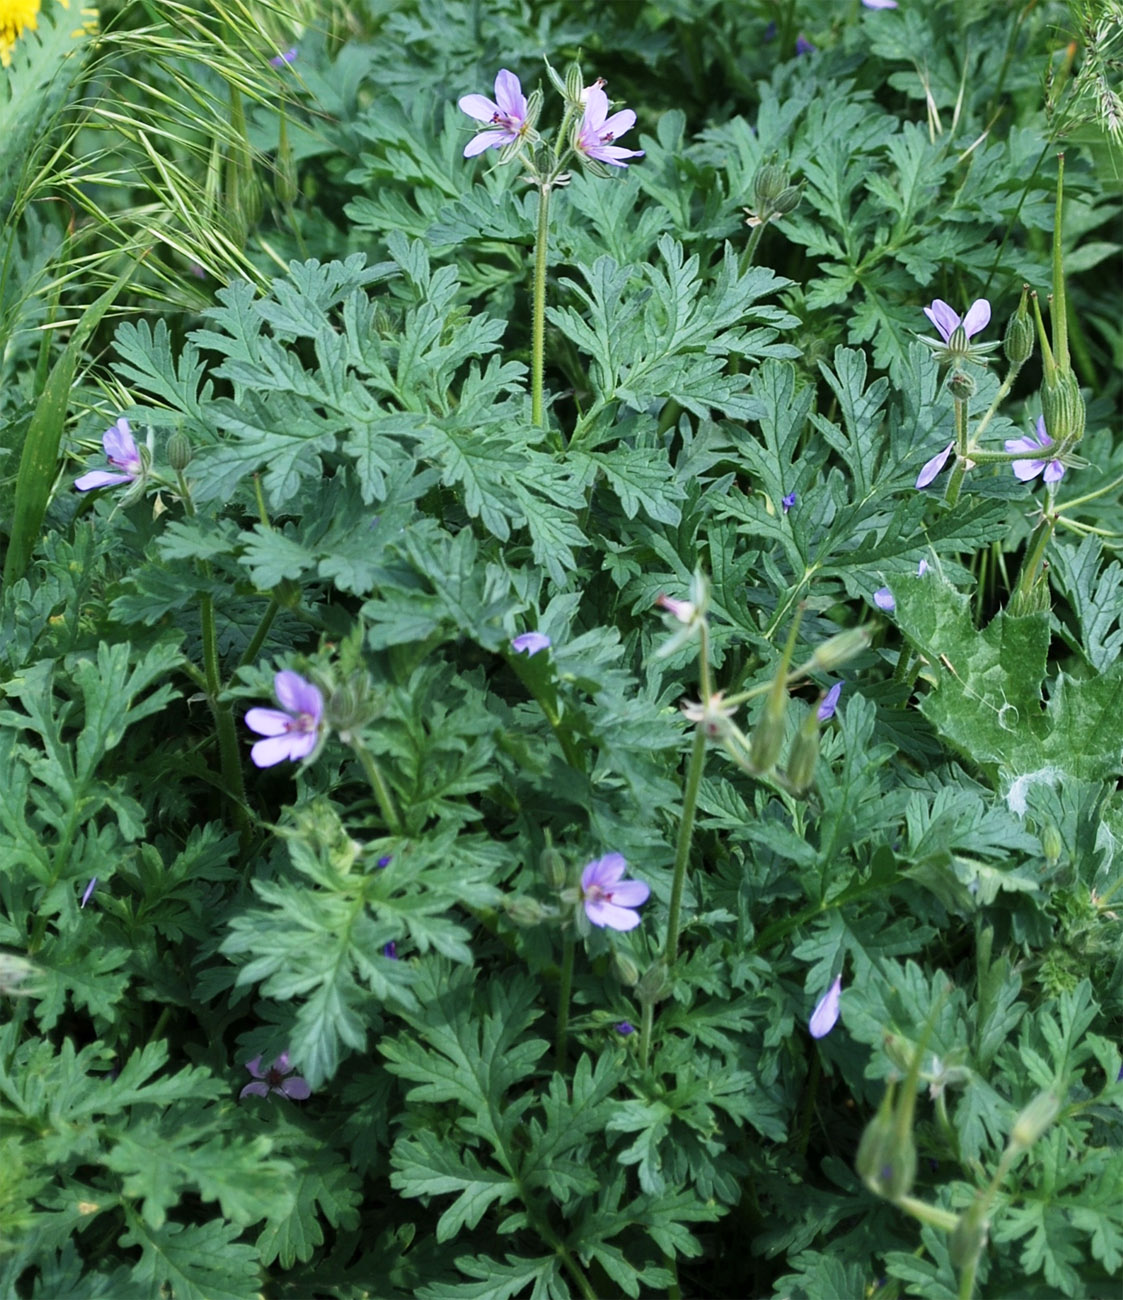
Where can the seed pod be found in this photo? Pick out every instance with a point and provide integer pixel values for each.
(553, 867)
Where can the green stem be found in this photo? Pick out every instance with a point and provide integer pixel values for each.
(538, 343)
(230, 759)
(249, 654)
(955, 483)
(378, 784)
(682, 849)
(749, 251)
(1027, 579)
(967, 1279)
(646, 1023)
(569, 949)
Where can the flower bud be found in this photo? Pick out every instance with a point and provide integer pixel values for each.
(16, 974)
(1062, 405)
(288, 593)
(286, 180)
(1018, 343)
(625, 969)
(1035, 1119)
(533, 110)
(804, 753)
(969, 1236)
(885, 1163)
(179, 451)
(653, 985)
(524, 912)
(962, 385)
(840, 649)
(768, 734)
(787, 200)
(1051, 844)
(552, 865)
(769, 183)
(574, 83)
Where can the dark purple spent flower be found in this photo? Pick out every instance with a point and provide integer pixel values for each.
(390, 950)
(385, 860)
(788, 501)
(803, 45)
(286, 56)
(624, 1027)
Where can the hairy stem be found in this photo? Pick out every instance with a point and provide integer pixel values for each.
(378, 785)
(685, 835)
(538, 343)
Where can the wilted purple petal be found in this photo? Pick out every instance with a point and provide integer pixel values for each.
(883, 599)
(279, 60)
(88, 892)
(788, 501)
(390, 950)
(626, 1027)
(922, 568)
(384, 861)
(880, 4)
(803, 45)
(530, 643)
(825, 1016)
(829, 703)
(932, 467)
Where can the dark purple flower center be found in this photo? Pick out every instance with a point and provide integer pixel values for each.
(274, 1077)
(302, 722)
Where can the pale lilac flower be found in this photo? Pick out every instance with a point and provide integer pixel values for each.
(947, 320)
(933, 466)
(625, 1027)
(598, 130)
(530, 643)
(683, 610)
(825, 1016)
(279, 60)
(274, 1080)
(608, 898)
(88, 892)
(120, 450)
(788, 501)
(294, 733)
(880, 4)
(1024, 470)
(829, 703)
(803, 45)
(504, 117)
(922, 568)
(883, 599)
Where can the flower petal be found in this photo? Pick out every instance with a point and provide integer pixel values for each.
(97, 478)
(596, 109)
(254, 1090)
(479, 107)
(932, 467)
(618, 123)
(829, 703)
(603, 913)
(267, 753)
(604, 871)
(485, 140)
(255, 1069)
(297, 695)
(1054, 471)
(295, 1089)
(883, 599)
(119, 444)
(825, 1016)
(509, 94)
(267, 722)
(943, 317)
(530, 642)
(630, 893)
(1024, 470)
(977, 318)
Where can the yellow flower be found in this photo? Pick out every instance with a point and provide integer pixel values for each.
(16, 16)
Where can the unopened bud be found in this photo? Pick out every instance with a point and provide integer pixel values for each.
(1051, 844)
(768, 734)
(1018, 343)
(524, 912)
(552, 866)
(769, 183)
(625, 969)
(840, 649)
(1035, 1119)
(179, 451)
(288, 593)
(969, 1236)
(1062, 405)
(885, 1163)
(349, 706)
(804, 753)
(788, 200)
(653, 985)
(16, 974)
(962, 385)
(533, 110)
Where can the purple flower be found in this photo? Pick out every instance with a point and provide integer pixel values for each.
(933, 466)
(384, 861)
(803, 45)
(121, 451)
(683, 610)
(625, 1027)
(279, 60)
(1050, 470)
(504, 117)
(274, 1080)
(88, 892)
(608, 898)
(829, 703)
(530, 642)
(880, 4)
(390, 950)
(947, 321)
(883, 599)
(598, 130)
(294, 733)
(922, 568)
(788, 501)
(825, 1016)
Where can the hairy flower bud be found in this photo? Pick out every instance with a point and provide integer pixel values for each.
(969, 1236)
(1062, 405)
(769, 183)
(553, 867)
(804, 753)
(625, 969)
(885, 1163)
(768, 734)
(962, 385)
(1051, 844)
(1018, 343)
(840, 649)
(787, 200)
(179, 451)
(653, 985)
(524, 912)
(1035, 1119)
(574, 83)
